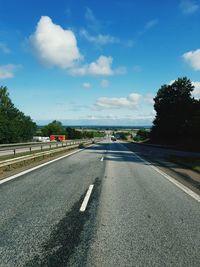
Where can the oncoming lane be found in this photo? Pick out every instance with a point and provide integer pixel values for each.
(42, 206)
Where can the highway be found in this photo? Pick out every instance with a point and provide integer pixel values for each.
(135, 215)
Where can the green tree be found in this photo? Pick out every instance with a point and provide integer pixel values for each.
(143, 134)
(73, 133)
(55, 127)
(14, 125)
(174, 106)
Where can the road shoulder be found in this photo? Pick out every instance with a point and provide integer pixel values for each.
(184, 175)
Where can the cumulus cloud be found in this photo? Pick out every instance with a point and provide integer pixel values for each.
(54, 45)
(188, 6)
(104, 83)
(99, 39)
(86, 85)
(4, 48)
(193, 59)
(131, 101)
(7, 71)
(103, 66)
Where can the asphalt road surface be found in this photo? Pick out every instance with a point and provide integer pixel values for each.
(135, 215)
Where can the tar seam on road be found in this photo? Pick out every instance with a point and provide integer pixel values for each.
(86, 199)
(171, 179)
(39, 166)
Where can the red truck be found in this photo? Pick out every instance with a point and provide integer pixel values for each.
(59, 138)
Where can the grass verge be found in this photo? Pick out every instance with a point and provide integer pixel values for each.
(189, 162)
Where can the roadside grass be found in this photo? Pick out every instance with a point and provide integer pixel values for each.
(189, 162)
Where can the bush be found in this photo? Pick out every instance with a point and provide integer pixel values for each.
(141, 135)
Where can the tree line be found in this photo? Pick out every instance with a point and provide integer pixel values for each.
(15, 126)
(56, 128)
(177, 119)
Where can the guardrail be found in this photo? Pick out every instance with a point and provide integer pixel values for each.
(7, 165)
(6, 150)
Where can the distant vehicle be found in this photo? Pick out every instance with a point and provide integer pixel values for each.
(41, 139)
(58, 138)
(113, 138)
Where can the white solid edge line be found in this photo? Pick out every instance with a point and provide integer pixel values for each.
(86, 199)
(171, 179)
(39, 166)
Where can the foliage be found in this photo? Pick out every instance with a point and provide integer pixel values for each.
(14, 125)
(177, 112)
(72, 133)
(141, 135)
(81, 134)
(55, 127)
(123, 135)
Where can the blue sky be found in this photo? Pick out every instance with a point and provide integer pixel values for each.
(96, 62)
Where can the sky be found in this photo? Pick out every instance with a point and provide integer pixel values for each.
(89, 62)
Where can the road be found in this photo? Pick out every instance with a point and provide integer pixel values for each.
(135, 215)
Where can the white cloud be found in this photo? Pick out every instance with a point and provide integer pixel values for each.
(193, 58)
(150, 24)
(131, 101)
(117, 117)
(149, 99)
(104, 83)
(99, 39)
(7, 71)
(171, 82)
(102, 66)
(93, 23)
(188, 6)
(196, 92)
(54, 45)
(4, 48)
(86, 85)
